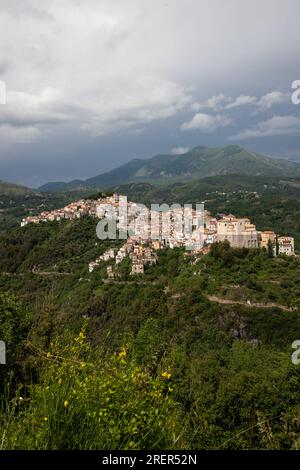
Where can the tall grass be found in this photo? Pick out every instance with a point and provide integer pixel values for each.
(85, 399)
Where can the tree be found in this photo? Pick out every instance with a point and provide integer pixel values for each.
(270, 249)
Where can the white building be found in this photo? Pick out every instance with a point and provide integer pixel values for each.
(239, 232)
(286, 246)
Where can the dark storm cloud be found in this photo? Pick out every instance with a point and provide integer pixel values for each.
(131, 78)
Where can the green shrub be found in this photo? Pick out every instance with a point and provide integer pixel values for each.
(85, 399)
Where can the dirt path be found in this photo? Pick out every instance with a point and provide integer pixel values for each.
(50, 273)
(249, 304)
(40, 273)
(115, 281)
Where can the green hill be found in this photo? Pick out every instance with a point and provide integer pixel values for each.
(197, 163)
(14, 191)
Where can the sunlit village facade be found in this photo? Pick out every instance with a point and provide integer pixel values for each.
(147, 231)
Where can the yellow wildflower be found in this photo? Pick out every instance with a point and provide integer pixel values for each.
(45, 418)
(66, 403)
(166, 375)
(80, 338)
(122, 353)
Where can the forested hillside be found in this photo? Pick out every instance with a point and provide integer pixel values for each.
(195, 353)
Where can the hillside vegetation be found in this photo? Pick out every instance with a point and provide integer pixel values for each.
(150, 361)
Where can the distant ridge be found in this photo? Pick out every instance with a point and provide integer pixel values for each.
(15, 190)
(199, 162)
(74, 185)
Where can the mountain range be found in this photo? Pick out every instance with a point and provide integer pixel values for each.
(199, 162)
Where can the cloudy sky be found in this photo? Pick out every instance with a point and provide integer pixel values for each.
(91, 84)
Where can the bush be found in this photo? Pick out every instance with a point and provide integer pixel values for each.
(88, 400)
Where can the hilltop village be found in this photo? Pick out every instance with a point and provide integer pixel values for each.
(154, 230)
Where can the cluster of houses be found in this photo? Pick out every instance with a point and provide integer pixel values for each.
(75, 210)
(240, 232)
(148, 230)
(140, 255)
(72, 211)
(109, 254)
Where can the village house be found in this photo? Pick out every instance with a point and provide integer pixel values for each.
(92, 266)
(239, 232)
(137, 268)
(121, 255)
(268, 237)
(210, 236)
(108, 255)
(110, 272)
(286, 246)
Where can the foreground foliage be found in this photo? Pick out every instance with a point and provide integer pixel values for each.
(232, 383)
(87, 399)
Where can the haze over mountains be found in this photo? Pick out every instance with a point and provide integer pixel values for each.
(199, 162)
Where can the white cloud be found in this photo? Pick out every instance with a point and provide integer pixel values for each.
(97, 79)
(273, 98)
(221, 101)
(39, 108)
(122, 106)
(242, 100)
(131, 104)
(277, 125)
(179, 150)
(215, 103)
(206, 122)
